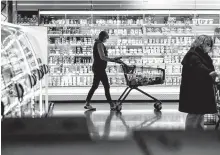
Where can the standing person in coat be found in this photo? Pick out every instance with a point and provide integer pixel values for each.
(100, 55)
(196, 91)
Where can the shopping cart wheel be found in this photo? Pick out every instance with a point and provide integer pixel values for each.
(157, 113)
(118, 108)
(158, 106)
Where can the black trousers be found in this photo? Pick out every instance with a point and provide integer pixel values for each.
(99, 76)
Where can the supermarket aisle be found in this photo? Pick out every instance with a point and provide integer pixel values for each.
(104, 124)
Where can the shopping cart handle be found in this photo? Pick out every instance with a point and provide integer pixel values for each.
(118, 58)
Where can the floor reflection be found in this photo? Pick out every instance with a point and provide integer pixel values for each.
(110, 125)
(104, 124)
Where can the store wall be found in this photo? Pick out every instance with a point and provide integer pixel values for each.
(117, 5)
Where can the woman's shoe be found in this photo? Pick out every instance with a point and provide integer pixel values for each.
(89, 107)
(113, 108)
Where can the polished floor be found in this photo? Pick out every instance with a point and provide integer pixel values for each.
(104, 124)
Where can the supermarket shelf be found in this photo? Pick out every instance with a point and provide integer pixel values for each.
(178, 25)
(63, 25)
(153, 64)
(204, 25)
(154, 25)
(50, 54)
(126, 55)
(57, 35)
(115, 74)
(72, 74)
(117, 25)
(126, 35)
(170, 34)
(157, 44)
(173, 63)
(173, 74)
(83, 64)
(70, 44)
(130, 45)
(80, 93)
(154, 54)
(36, 24)
(167, 44)
(83, 55)
(85, 74)
(125, 25)
(60, 54)
(173, 54)
(76, 64)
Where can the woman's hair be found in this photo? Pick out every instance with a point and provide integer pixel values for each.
(201, 41)
(103, 35)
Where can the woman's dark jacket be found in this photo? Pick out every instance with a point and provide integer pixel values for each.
(196, 90)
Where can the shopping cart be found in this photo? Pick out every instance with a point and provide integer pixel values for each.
(140, 76)
(214, 119)
(217, 92)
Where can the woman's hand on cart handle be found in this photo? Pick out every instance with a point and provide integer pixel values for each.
(118, 60)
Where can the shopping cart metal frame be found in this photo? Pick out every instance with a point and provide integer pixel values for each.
(129, 70)
(217, 95)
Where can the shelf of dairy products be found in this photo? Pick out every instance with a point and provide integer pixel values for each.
(27, 19)
(128, 45)
(127, 25)
(156, 41)
(175, 38)
(69, 44)
(69, 35)
(87, 80)
(82, 81)
(85, 59)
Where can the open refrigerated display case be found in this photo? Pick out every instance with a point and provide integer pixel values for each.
(21, 75)
(144, 38)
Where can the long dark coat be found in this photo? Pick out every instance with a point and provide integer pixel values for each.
(196, 90)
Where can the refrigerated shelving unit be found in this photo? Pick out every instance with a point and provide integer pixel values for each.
(146, 38)
(18, 60)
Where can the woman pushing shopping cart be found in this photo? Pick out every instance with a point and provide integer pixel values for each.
(140, 76)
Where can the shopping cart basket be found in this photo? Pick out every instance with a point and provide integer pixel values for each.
(211, 119)
(217, 84)
(141, 76)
